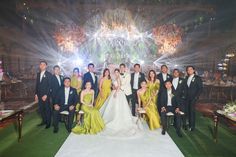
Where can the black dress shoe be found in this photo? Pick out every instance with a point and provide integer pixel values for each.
(179, 134)
(47, 127)
(69, 130)
(191, 129)
(163, 132)
(55, 130)
(185, 127)
(40, 124)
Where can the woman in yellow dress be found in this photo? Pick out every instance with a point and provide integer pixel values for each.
(93, 122)
(104, 89)
(146, 102)
(76, 80)
(153, 85)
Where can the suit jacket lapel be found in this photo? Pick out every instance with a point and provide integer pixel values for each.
(191, 83)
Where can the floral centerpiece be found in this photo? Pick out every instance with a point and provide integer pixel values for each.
(229, 110)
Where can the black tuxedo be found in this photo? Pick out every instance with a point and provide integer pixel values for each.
(88, 78)
(134, 99)
(140, 79)
(43, 88)
(175, 104)
(55, 86)
(180, 92)
(60, 100)
(192, 94)
(162, 87)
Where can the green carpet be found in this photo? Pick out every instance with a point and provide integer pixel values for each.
(38, 142)
(200, 142)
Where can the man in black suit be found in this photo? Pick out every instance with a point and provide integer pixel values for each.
(169, 103)
(42, 94)
(90, 76)
(66, 100)
(193, 85)
(162, 76)
(56, 83)
(178, 87)
(136, 78)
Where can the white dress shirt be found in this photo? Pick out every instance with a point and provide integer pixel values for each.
(169, 95)
(164, 76)
(93, 76)
(67, 93)
(41, 75)
(59, 80)
(136, 76)
(175, 82)
(189, 80)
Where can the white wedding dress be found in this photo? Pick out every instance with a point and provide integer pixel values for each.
(117, 116)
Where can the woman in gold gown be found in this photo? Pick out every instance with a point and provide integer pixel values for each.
(104, 89)
(145, 101)
(153, 85)
(76, 82)
(93, 122)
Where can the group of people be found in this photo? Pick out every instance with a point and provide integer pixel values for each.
(106, 102)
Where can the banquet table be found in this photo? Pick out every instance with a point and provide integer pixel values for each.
(229, 119)
(11, 116)
(220, 91)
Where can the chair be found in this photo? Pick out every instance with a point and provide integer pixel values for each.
(170, 118)
(141, 112)
(64, 117)
(80, 115)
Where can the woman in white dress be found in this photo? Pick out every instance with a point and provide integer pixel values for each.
(116, 113)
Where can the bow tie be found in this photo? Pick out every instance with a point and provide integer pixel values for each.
(121, 73)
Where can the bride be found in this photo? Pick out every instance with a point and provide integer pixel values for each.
(116, 113)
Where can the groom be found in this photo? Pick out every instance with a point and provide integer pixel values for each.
(125, 82)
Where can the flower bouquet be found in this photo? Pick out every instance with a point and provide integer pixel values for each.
(229, 110)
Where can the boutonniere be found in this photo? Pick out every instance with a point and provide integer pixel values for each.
(171, 95)
(44, 75)
(71, 92)
(168, 76)
(180, 81)
(193, 79)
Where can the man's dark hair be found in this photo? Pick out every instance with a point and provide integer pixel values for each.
(190, 66)
(43, 61)
(137, 65)
(176, 70)
(56, 66)
(91, 64)
(66, 78)
(164, 66)
(122, 64)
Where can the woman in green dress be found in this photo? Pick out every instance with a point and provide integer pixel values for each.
(76, 82)
(145, 100)
(153, 85)
(104, 89)
(93, 122)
